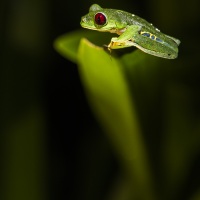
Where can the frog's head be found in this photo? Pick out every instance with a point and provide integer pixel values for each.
(101, 19)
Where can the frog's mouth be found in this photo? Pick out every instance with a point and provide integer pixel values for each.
(112, 30)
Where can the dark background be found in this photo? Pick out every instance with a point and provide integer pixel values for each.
(51, 144)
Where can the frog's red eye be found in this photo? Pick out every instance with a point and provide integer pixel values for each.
(100, 19)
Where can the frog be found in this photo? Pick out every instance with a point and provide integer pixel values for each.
(132, 30)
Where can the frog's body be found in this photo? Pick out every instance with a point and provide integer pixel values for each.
(133, 31)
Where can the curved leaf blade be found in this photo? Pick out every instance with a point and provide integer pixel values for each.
(67, 44)
(109, 97)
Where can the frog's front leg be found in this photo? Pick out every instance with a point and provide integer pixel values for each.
(126, 39)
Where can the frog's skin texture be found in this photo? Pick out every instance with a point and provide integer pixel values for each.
(133, 31)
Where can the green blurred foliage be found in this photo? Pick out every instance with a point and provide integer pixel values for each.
(155, 100)
(163, 103)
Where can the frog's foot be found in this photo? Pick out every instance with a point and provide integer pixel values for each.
(107, 48)
(115, 44)
(118, 44)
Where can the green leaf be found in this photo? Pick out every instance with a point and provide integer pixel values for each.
(67, 45)
(110, 99)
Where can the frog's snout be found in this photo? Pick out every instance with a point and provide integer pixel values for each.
(86, 21)
(83, 19)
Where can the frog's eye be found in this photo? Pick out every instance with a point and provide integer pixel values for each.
(100, 19)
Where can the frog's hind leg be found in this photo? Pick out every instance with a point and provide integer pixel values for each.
(177, 41)
(162, 55)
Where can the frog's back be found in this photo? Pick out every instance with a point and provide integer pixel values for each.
(128, 18)
(147, 27)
